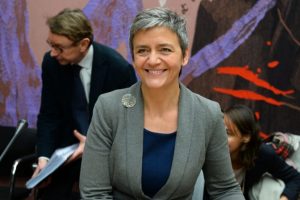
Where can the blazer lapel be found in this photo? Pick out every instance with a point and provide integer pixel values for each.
(134, 139)
(182, 145)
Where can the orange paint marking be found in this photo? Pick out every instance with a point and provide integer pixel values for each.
(247, 94)
(245, 73)
(273, 64)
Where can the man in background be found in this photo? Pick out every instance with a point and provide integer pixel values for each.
(74, 73)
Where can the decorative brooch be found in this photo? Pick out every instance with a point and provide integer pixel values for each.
(128, 100)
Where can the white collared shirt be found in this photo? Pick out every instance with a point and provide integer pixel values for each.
(86, 71)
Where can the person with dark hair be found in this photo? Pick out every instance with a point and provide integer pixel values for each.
(152, 140)
(75, 72)
(251, 158)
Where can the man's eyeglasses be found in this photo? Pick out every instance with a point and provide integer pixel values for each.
(59, 49)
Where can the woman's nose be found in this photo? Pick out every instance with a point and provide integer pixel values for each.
(154, 58)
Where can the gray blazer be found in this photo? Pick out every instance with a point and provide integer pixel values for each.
(112, 160)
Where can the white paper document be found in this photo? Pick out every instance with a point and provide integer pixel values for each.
(56, 160)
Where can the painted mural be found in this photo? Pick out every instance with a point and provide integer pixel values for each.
(242, 51)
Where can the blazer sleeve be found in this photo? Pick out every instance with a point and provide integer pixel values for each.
(220, 181)
(49, 114)
(94, 178)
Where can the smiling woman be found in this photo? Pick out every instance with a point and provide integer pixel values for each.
(159, 123)
(158, 58)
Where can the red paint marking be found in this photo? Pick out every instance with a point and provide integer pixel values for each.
(245, 73)
(247, 94)
(263, 135)
(257, 115)
(268, 43)
(273, 64)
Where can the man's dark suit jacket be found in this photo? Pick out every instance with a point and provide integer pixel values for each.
(55, 126)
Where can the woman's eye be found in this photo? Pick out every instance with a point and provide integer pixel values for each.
(142, 51)
(166, 50)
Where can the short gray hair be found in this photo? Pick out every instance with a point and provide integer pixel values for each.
(154, 17)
